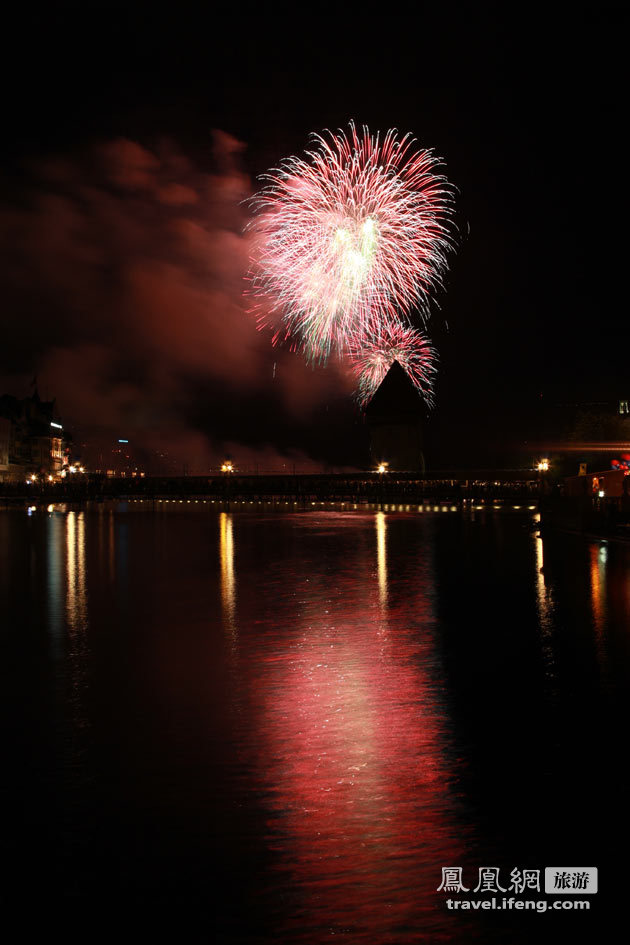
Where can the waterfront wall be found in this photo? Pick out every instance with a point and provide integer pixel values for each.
(609, 515)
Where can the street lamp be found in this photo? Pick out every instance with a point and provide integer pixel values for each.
(227, 467)
(543, 465)
(382, 468)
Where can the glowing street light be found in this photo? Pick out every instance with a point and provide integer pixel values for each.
(227, 467)
(382, 468)
(543, 465)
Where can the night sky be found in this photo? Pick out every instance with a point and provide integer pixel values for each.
(133, 134)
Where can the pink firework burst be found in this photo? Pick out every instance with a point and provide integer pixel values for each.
(358, 227)
(372, 358)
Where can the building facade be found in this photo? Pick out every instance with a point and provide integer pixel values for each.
(32, 439)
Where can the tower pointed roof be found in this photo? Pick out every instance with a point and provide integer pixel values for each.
(395, 396)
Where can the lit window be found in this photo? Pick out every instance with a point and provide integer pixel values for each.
(624, 407)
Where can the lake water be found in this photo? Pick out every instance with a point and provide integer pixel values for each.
(279, 725)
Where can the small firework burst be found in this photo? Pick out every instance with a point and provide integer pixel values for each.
(372, 358)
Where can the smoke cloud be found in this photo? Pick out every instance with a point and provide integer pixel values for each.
(122, 276)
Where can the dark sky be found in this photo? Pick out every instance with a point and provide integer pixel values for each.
(133, 133)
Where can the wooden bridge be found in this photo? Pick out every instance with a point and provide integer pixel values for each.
(353, 487)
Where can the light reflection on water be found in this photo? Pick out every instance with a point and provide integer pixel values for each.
(228, 582)
(381, 539)
(598, 554)
(55, 576)
(334, 704)
(353, 748)
(545, 607)
(76, 577)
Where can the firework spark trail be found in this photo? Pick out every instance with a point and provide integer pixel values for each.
(373, 357)
(357, 229)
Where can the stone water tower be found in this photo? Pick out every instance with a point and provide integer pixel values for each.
(394, 416)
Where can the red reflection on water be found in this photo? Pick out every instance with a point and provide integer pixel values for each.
(354, 753)
(597, 562)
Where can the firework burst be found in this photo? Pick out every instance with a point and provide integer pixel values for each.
(373, 357)
(356, 230)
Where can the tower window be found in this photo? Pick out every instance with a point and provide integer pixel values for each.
(624, 407)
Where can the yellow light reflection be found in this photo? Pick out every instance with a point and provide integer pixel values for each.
(76, 591)
(545, 608)
(228, 581)
(381, 557)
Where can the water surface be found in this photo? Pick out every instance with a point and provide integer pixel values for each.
(279, 726)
